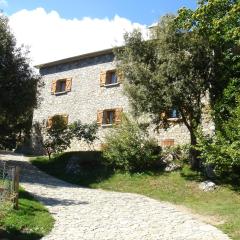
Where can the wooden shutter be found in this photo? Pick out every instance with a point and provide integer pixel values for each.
(99, 117)
(49, 122)
(120, 76)
(103, 78)
(68, 84)
(53, 87)
(167, 142)
(118, 115)
(65, 119)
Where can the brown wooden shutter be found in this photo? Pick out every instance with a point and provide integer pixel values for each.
(68, 84)
(49, 122)
(65, 119)
(103, 77)
(53, 87)
(118, 115)
(99, 117)
(167, 142)
(120, 76)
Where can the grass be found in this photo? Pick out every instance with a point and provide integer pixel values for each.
(31, 221)
(220, 207)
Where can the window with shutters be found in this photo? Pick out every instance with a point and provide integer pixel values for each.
(50, 120)
(109, 117)
(110, 78)
(61, 86)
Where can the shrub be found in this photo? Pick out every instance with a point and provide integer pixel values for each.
(130, 148)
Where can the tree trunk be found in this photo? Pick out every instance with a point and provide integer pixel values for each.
(194, 154)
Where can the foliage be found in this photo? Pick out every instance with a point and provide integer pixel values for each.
(129, 148)
(218, 22)
(179, 154)
(18, 86)
(222, 150)
(86, 132)
(173, 70)
(57, 137)
(54, 138)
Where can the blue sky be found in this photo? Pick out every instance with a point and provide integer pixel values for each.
(141, 11)
(56, 29)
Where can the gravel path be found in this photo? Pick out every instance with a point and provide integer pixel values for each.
(88, 214)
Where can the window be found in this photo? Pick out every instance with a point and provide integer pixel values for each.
(110, 78)
(61, 86)
(109, 116)
(63, 117)
(174, 113)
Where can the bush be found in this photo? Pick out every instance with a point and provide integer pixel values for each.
(130, 148)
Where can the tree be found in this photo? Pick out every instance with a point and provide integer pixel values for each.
(18, 87)
(172, 70)
(58, 136)
(55, 138)
(85, 132)
(218, 22)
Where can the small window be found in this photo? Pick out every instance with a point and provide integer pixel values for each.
(174, 113)
(61, 86)
(109, 117)
(111, 78)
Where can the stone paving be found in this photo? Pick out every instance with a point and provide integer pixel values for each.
(89, 214)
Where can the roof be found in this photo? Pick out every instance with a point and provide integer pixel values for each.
(75, 58)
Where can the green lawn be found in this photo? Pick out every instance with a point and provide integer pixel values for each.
(221, 207)
(31, 221)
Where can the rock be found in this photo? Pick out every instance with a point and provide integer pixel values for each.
(172, 167)
(167, 158)
(73, 166)
(207, 186)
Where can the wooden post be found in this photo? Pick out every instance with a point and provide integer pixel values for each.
(16, 187)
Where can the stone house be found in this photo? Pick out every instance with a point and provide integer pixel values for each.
(87, 88)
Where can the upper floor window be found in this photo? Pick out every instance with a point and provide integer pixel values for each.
(61, 86)
(110, 78)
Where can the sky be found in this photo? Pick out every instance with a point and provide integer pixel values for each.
(56, 29)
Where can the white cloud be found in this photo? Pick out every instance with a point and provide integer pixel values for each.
(3, 3)
(51, 37)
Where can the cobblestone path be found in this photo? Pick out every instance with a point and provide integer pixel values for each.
(88, 214)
